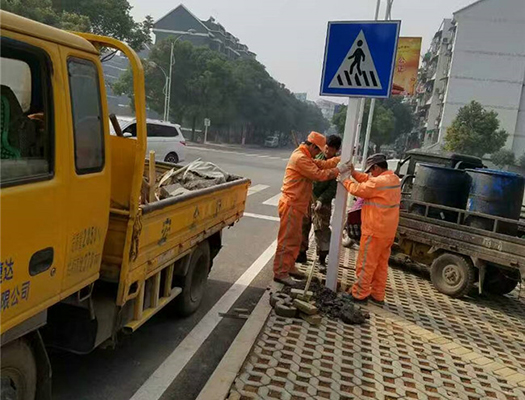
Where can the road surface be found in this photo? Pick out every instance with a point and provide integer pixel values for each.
(133, 369)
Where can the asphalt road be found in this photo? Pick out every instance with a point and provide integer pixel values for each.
(120, 373)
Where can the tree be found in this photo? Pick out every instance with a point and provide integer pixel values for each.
(475, 131)
(392, 120)
(43, 11)
(339, 119)
(239, 96)
(389, 122)
(503, 158)
(104, 17)
(404, 117)
(521, 161)
(383, 126)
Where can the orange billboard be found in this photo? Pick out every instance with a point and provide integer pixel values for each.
(407, 65)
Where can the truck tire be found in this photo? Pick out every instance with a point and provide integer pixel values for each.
(194, 283)
(19, 372)
(496, 282)
(452, 275)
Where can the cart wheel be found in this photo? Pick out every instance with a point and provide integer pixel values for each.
(452, 275)
(19, 374)
(498, 282)
(194, 283)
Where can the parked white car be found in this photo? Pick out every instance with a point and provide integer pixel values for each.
(164, 138)
(272, 141)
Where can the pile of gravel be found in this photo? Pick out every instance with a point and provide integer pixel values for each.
(334, 306)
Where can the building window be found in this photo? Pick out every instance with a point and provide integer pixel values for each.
(87, 116)
(26, 123)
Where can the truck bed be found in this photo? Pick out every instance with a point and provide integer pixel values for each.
(166, 230)
(497, 248)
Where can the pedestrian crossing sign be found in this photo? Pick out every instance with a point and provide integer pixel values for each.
(360, 58)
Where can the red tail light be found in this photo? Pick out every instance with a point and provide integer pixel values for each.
(183, 143)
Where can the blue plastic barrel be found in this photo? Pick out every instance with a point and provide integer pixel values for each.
(498, 193)
(443, 186)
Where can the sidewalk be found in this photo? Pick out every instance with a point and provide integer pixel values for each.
(422, 345)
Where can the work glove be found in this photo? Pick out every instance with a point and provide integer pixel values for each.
(317, 205)
(345, 167)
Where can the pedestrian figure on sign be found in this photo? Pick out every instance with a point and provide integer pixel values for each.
(358, 56)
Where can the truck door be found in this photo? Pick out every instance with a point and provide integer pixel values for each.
(32, 177)
(89, 186)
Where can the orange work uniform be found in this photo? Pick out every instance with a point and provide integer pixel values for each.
(380, 217)
(301, 170)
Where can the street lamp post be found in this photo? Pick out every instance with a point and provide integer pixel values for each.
(167, 84)
(172, 62)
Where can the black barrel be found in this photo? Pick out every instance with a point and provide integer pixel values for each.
(498, 193)
(443, 186)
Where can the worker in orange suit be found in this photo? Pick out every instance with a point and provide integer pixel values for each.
(381, 191)
(302, 169)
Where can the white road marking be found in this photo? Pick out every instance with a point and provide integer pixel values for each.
(273, 201)
(222, 378)
(256, 188)
(260, 216)
(168, 371)
(236, 152)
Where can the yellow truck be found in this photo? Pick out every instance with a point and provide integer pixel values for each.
(82, 258)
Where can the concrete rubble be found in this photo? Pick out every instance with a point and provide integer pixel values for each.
(318, 301)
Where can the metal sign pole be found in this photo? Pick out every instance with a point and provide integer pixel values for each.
(358, 133)
(354, 119)
(362, 110)
(338, 219)
(373, 102)
(359, 62)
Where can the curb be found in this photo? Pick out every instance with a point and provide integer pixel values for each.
(220, 382)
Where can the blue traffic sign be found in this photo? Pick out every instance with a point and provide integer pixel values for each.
(359, 58)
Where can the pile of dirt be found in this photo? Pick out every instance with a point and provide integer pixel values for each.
(332, 305)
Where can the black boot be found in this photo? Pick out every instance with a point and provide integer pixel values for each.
(322, 257)
(301, 258)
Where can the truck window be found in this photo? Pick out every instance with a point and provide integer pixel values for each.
(26, 114)
(88, 130)
(155, 130)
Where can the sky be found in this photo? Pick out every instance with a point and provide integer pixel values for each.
(288, 36)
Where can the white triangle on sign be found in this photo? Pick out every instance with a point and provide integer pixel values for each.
(357, 71)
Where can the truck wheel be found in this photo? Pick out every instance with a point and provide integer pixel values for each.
(194, 283)
(452, 275)
(496, 282)
(19, 373)
(172, 158)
